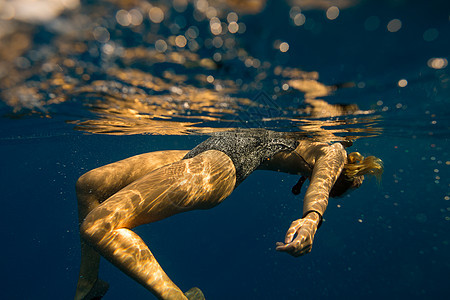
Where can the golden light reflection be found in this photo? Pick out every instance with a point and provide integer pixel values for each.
(233, 27)
(240, 6)
(7, 11)
(284, 47)
(332, 12)
(123, 17)
(156, 14)
(160, 45)
(162, 84)
(216, 26)
(437, 63)
(180, 41)
(323, 4)
(311, 88)
(402, 83)
(35, 11)
(232, 17)
(341, 130)
(394, 25)
(299, 19)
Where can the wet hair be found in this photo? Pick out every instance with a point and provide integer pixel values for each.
(357, 165)
(353, 173)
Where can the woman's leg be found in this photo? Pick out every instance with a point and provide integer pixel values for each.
(96, 186)
(197, 183)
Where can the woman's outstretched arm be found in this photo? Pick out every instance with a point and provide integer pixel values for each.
(328, 163)
(327, 168)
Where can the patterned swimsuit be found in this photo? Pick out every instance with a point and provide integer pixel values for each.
(248, 149)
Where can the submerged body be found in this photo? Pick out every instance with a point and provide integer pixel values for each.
(149, 187)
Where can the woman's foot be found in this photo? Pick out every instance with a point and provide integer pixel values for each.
(194, 294)
(97, 291)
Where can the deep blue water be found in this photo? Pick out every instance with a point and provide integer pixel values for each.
(390, 241)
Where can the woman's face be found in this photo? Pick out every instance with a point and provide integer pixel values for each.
(343, 185)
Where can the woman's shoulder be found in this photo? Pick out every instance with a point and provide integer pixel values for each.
(313, 150)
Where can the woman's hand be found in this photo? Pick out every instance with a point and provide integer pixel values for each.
(305, 229)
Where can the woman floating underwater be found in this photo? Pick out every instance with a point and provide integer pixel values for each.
(146, 188)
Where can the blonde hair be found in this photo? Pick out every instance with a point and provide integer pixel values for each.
(357, 165)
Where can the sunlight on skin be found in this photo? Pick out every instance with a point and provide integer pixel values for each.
(327, 167)
(153, 186)
(328, 162)
(208, 179)
(99, 184)
(305, 229)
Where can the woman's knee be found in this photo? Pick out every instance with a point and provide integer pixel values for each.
(86, 232)
(95, 184)
(86, 182)
(97, 226)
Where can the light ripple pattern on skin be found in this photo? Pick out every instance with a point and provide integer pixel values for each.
(206, 183)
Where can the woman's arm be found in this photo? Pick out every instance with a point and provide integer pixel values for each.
(328, 163)
(328, 166)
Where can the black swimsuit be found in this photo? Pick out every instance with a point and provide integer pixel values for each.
(248, 149)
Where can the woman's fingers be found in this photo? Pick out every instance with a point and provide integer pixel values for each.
(289, 236)
(292, 250)
(303, 251)
(293, 247)
(301, 245)
(285, 247)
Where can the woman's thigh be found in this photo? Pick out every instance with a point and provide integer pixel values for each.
(109, 179)
(200, 182)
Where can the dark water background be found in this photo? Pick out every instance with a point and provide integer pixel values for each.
(389, 242)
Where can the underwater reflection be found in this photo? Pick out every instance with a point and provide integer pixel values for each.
(161, 67)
